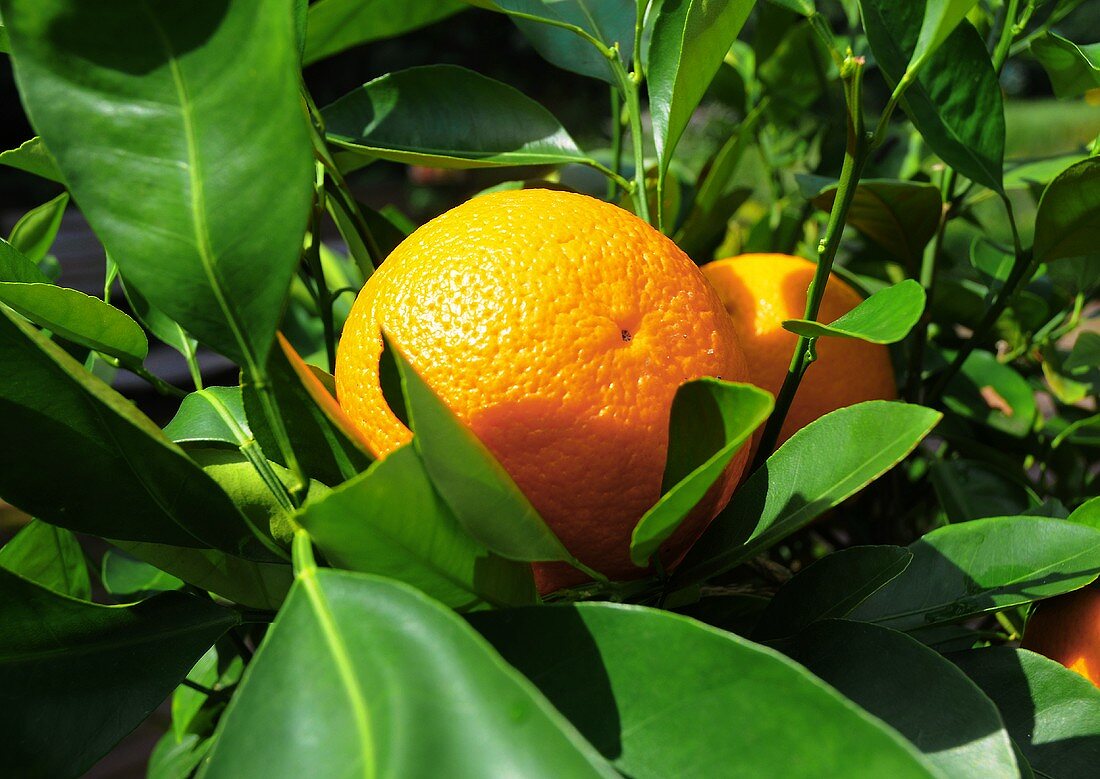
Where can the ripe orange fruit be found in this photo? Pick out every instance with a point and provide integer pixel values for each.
(762, 290)
(1067, 629)
(558, 327)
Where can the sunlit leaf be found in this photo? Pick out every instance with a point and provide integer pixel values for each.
(884, 318)
(336, 25)
(1073, 69)
(50, 557)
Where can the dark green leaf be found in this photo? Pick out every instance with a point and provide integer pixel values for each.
(913, 689)
(969, 489)
(32, 157)
(400, 672)
(124, 575)
(449, 117)
(1053, 714)
(830, 588)
(50, 557)
(92, 673)
(709, 422)
(803, 7)
(985, 565)
(336, 25)
(158, 323)
(884, 318)
(1068, 222)
(994, 394)
(212, 414)
(34, 233)
(172, 759)
(798, 482)
(1073, 69)
(1086, 352)
(202, 196)
(941, 17)
(662, 695)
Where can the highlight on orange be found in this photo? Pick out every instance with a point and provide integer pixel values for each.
(1067, 629)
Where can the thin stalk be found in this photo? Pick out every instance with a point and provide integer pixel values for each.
(1008, 32)
(630, 83)
(156, 382)
(855, 156)
(616, 142)
(264, 391)
(317, 269)
(579, 31)
(191, 356)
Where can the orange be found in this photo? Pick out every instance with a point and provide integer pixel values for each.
(1067, 629)
(762, 290)
(558, 327)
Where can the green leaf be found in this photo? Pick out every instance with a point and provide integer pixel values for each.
(1068, 222)
(79, 455)
(1086, 352)
(970, 489)
(1073, 69)
(830, 588)
(31, 156)
(985, 565)
(798, 483)
(955, 101)
(1088, 513)
(913, 689)
(158, 323)
(899, 216)
(662, 695)
(79, 318)
(14, 267)
(690, 40)
(483, 497)
(1052, 713)
(709, 423)
(213, 414)
(941, 17)
(336, 25)
(172, 759)
(399, 672)
(124, 575)
(90, 672)
(201, 197)
(884, 318)
(34, 233)
(448, 117)
(803, 7)
(993, 394)
(50, 557)
(390, 521)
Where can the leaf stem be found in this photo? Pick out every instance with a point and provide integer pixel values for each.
(630, 84)
(302, 553)
(616, 142)
(325, 298)
(579, 31)
(262, 384)
(139, 370)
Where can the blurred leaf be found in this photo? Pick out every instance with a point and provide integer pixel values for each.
(390, 521)
(830, 588)
(690, 40)
(803, 7)
(91, 672)
(709, 423)
(969, 489)
(1073, 69)
(900, 216)
(1086, 352)
(336, 25)
(50, 557)
(400, 671)
(202, 196)
(661, 695)
(79, 455)
(31, 156)
(993, 394)
(1068, 221)
(216, 670)
(913, 689)
(445, 116)
(797, 484)
(941, 17)
(158, 323)
(1025, 175)
(1088, 513)
(124, 575)
(955, 101)
(212, 414)
(985, 565)
(884, 318)
(172, 759)
(34, 233)
(1052, 713)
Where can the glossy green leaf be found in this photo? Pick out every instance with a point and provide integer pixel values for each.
(202, 196)
(448, 117)
(123, 575)
(899, 216)
(336, 25)
(31, 156)
(483, 497)
(158, 323)
(993, 394)
(690, 40)
(1088, 513)
(50, 557)
(65, 664)
(884, 318)
(1073, 69)
(913, 689)
(797, 483)
(941, 17)
(399, 672)
(1068, 222)
(709, 423)
(970, 489)
(390, 521)
(34, 233)
(15, 267)
(1052, 714)
(830, 588)
(662, 695)
(955, 101)
(985, 565)
(214, 414)
(79, 455)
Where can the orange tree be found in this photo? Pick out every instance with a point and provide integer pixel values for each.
(335, 578)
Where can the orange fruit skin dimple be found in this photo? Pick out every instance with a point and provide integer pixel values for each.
(1067, 629)
(558, 327)
(762, 290)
